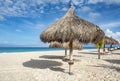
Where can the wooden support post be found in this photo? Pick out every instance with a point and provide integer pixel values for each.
(71, 50)
(104, 48)
(65, 58)
(111, 49)
(70, 57)
(65, 52)
(99, 53)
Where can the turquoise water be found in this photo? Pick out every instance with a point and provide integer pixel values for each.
(31, 49)
(26, 49)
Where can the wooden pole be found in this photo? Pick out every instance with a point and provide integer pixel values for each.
(110, 48)
(104, 48)
(70, 57)
(71, 50)
(65, 57)
(65, 52)
(98, 53)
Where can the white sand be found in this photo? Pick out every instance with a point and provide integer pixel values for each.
(48, 66)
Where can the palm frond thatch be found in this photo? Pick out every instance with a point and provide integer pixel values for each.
(109, 40)
(76, 45)
(71, 27)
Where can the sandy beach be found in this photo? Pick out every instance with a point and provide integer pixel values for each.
(48, 66)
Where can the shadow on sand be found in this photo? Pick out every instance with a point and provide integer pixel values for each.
(113, 61)
(116, 53)
(51, 57)
(44, 64)
(58, 57)
(88, 53)
(92, 53)
(110, 67)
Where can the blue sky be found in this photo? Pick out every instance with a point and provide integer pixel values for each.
(22, 21)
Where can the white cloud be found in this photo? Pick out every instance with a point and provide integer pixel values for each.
(33, 26)
(115, 35)
(39, 26)
(8, 2)
(30, 8)
(86, 9)
(1, 18)
(77, 2)
(41, 11)
(18, 30)
(104, 1)
(8, 8)
(57, 7)
(51, 1)
(64, 9)
(57, 19)
(111, 24)
(22, 8)
(94, 1)
(94, 15)
(65, 1)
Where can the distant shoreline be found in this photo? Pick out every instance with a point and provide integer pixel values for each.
(32, 49)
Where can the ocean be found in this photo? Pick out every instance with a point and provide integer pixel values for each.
(31, 49)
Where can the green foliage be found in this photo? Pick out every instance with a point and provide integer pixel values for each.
(99, 45)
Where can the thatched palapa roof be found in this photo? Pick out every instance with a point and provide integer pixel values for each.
(115, 41)
(76, 45)
(109, 40)
(71, 27)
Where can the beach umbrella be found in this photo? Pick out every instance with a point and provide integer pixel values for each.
(58, 45)
(55, 45)
(107, 41)
(71, 27)
(115, 41)
(76, 45)
(111, 41)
